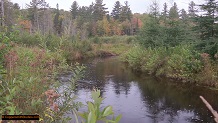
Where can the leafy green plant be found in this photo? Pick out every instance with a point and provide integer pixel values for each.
(179, 62)
(94, 112)
(134, 57)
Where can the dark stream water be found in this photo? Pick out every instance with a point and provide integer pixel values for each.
(142, 98)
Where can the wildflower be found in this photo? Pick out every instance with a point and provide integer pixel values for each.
(52, 95)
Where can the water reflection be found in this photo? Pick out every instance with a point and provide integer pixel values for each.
(145, 99)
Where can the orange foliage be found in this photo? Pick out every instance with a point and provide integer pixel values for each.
(25, 24)
(136, 22)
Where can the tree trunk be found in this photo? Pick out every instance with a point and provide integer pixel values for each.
(3, 13)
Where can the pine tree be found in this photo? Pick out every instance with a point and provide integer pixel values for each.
(154, 10)
(184, 15)
(116, 10)
(126, 13)
(165, 12)
(173, 13)
(207, 27)
(34, 9)
(74, 9)
(192, 10)
(57, 21)
(99, 10)
(206, 21)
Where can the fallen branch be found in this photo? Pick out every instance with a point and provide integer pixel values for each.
(215, 114)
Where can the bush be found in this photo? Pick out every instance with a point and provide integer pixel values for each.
(154, 59)
(134, 57)
(180, 62)
(183, 63)
(31, 72)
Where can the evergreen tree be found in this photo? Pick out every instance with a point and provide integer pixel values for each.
(154, 10)
(126, 13)
(165, 12)
(57, 21)
(173, 13)
(206, 21)
(184, 15)
(207, 27)
(116, 11)
(99, 10)
(192, 10)
(33, 13)
(151, 34)
(74, 9)
(36, 10)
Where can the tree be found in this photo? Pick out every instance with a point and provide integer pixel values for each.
(151, 34)
(57, 21)
(173, 13)
(184, 15)
(126, 27)
(37, 9)
(207, 27)
(9, 14)
(115, 27)
(99, 10)
(106, 26)
(165, 12)
(126, 13)
(74, 9)
(154, 10)
(2, 13)
(206, 21)
(192, 10)
(116, 11)
(33, 13)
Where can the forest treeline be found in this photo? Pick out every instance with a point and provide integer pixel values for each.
(81, 21)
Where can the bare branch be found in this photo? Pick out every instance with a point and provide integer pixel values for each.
(215, 114)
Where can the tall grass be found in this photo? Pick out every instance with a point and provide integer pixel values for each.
(74, 48)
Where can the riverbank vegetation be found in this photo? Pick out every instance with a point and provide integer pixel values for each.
(36, 43)
(179, 45)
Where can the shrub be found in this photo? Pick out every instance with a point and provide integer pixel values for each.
(33, 92)
(183, 63)
(134, 57)
(154, 59)
(180, 62)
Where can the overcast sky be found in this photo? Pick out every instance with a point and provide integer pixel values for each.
(137, 6)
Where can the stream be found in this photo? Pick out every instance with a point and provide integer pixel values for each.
(142, 98)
